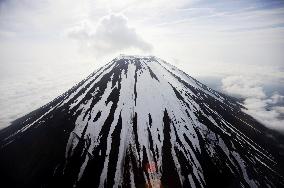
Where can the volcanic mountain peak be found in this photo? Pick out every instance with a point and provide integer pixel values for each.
(130, 57)
(139, 121)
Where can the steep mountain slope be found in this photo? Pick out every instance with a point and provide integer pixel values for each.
(138, 122)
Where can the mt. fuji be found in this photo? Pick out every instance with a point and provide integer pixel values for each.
(140, 122)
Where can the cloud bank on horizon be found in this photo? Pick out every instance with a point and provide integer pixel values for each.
(269, 110)
(202, 38)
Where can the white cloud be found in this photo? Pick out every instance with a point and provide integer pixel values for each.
(265, 109)
(242, 86)
(31, 89)
(279, 109)
(112, 34)
(276, 99)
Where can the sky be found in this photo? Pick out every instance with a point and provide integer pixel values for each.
(47, 46)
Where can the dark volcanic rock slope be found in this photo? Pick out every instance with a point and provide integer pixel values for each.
(138, 122)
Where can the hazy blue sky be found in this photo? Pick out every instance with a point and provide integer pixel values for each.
(47, 46)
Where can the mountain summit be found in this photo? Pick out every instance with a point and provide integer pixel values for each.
(139, 122)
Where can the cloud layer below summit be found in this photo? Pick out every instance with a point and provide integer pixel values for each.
(268, 109)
